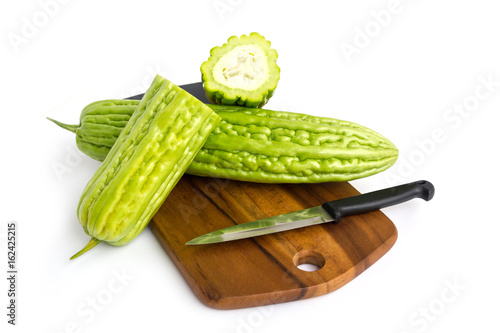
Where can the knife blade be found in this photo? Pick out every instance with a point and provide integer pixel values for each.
(331, 211)
(195, 89)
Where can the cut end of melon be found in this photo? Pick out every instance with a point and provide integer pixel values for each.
(241, 72)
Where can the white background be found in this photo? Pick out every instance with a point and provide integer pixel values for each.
(403, 68)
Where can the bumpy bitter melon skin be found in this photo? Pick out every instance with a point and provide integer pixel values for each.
(266, 146)
(242, 71)
(151, 153)
(100, 125)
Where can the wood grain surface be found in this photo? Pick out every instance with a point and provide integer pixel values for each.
(263, 270)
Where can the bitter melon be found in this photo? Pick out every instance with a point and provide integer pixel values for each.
(100, 125)
(243, 71)
(259, 145)
(151, 153)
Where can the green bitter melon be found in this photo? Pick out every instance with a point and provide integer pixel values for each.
(151, 153)
(259, 145)
(243, 71)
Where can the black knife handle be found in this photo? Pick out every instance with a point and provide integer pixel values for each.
(376, 200)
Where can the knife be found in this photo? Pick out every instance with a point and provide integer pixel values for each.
(331, 211)
(195, 89)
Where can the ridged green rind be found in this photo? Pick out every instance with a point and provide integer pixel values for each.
(222, 93)
(100, 125)
(284, 147)
(266, 146)
(155, 147)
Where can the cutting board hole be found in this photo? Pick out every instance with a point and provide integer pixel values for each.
(308, 260)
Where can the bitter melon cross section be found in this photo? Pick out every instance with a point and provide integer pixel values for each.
(243, 71)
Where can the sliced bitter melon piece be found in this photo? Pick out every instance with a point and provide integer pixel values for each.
(243, 71)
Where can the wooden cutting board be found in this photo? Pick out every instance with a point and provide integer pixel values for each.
(263, 270)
